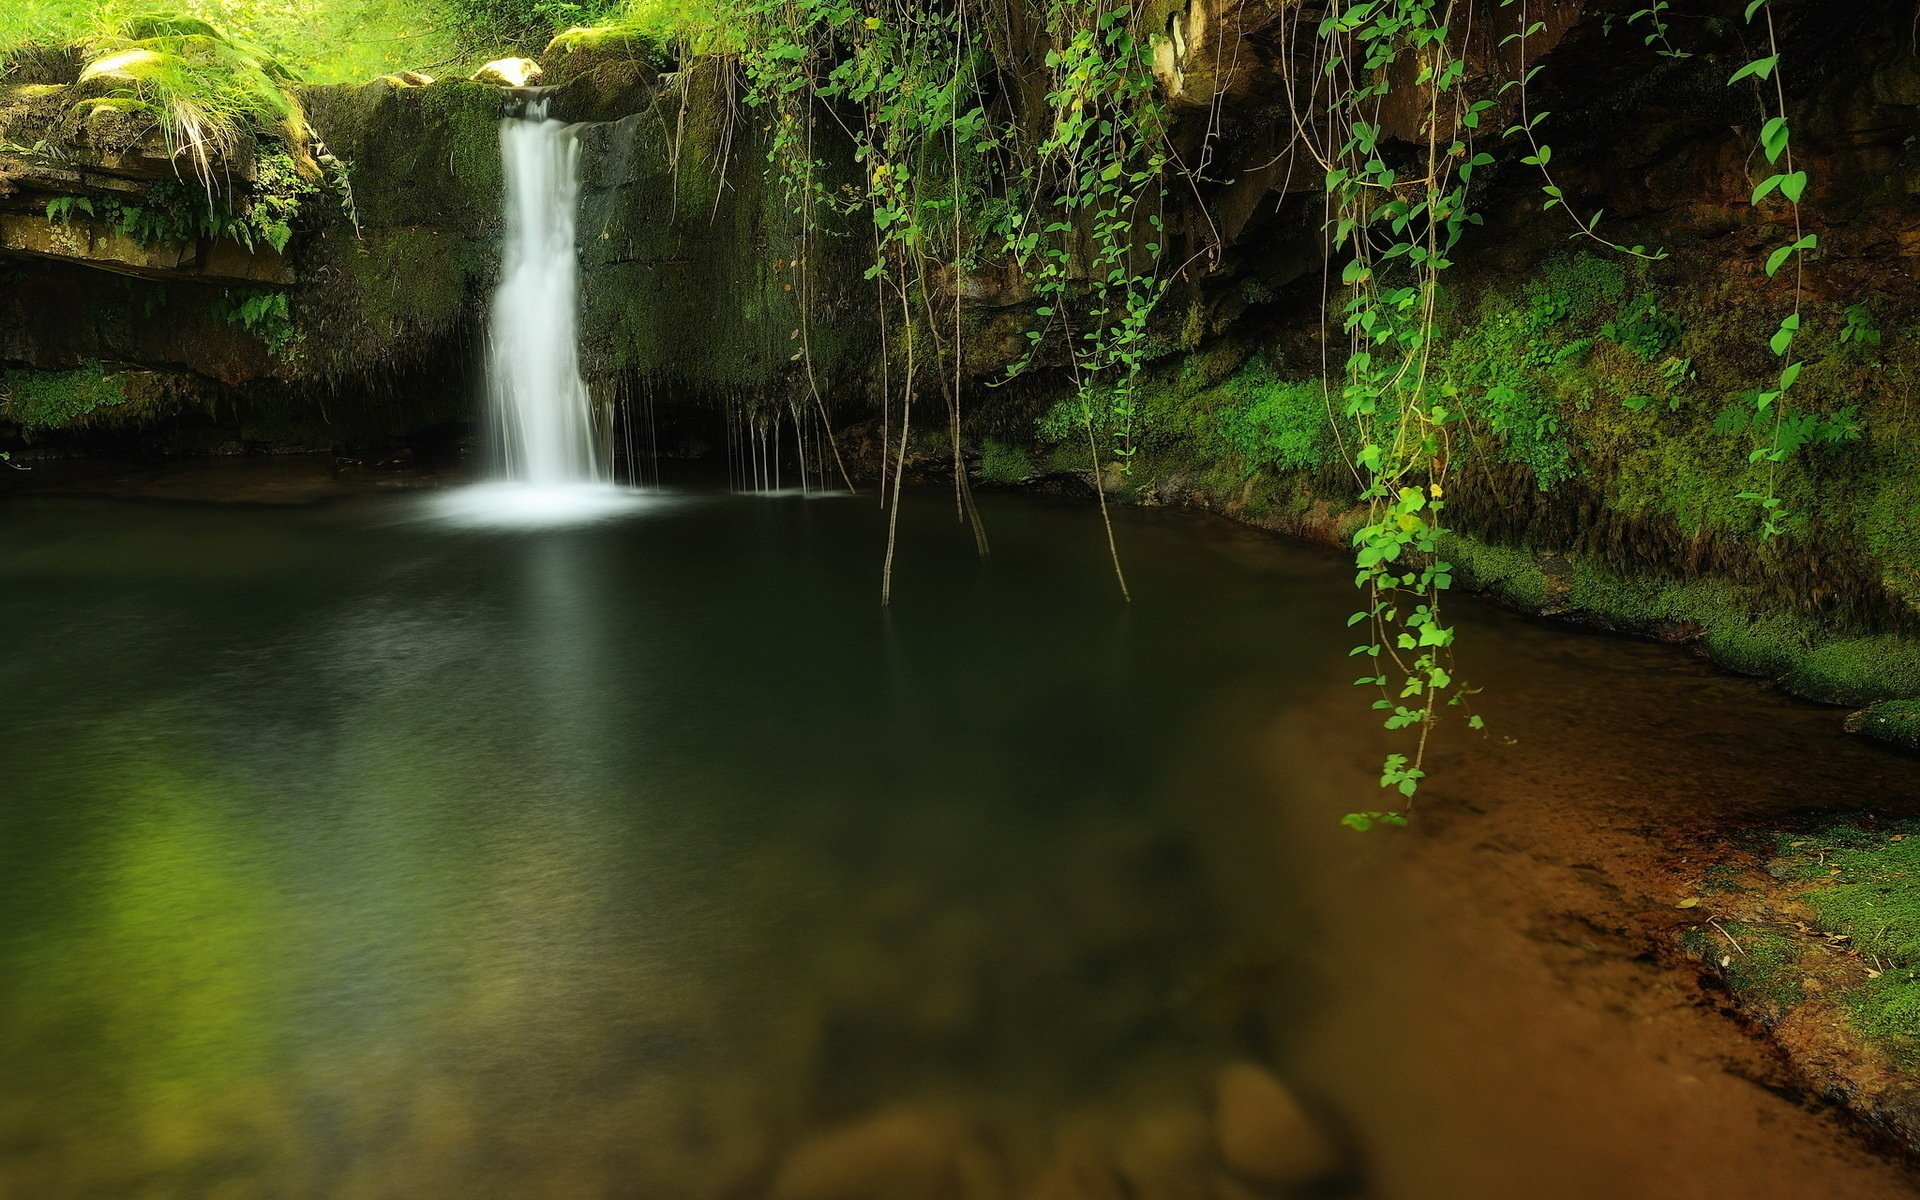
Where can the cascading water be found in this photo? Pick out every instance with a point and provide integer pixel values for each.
(545, 442)
(537, 399)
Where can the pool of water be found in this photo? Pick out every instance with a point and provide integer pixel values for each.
(346, 853)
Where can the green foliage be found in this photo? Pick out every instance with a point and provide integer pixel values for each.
(1517, 365)
(1529, 120)
(278, 192)
(44, 400)
(177, 212)
(264, 314)
(1772, 402)
(1399, 234)
(325, 41)
(1529, 428)
(1065, 420)
(1654, 16)
(1860, 328)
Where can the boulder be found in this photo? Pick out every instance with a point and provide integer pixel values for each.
(578, 52)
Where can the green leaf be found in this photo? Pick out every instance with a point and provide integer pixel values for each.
(1774, 136)
(1779, 257)
(1759, 68)
(1783, 337)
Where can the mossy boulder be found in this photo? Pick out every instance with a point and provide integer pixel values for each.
(578, 52)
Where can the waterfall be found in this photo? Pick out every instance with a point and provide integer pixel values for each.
(538, 402)
(546, 445)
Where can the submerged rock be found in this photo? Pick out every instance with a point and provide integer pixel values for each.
(1262, 1132)
(895, 1155)
(1168, 1156)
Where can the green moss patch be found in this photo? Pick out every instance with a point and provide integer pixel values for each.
(40, 401)
(1512, 573)
(1863, 889)
(1001, 462)
(1760, 964)
(1896, 722)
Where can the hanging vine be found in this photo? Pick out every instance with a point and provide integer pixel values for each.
(1770, 404)
(1398, 222)
(1067, 182)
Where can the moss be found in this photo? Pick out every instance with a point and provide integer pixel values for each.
(1274, 424)
(1509, 572)
(1766, 646)
(695, 270)
(577, 52)
(1886, 522)
(1759, 964)
(386, 299)
(40, 401)
(1867, 889)
(418, 157)
(1896, 722)
(1858, 670)
(1887, 1011)
(1001, 462)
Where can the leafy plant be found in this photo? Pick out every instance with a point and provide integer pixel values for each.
(1644, 328)
(265, 314)
(177, 212)
(1860, 328)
